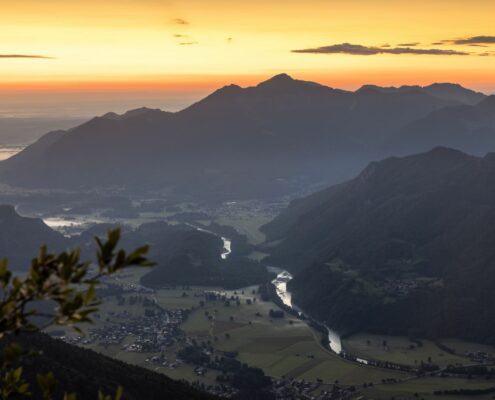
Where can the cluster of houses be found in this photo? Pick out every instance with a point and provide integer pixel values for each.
(149, 333)
(480, 356)
(163, 361)
(400, 287)
(232, 209)
(288, 389)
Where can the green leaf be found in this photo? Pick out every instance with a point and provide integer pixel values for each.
(119, 393)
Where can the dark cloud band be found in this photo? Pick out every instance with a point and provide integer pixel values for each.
(359, 50)
(25, 56)
(180, 21)
(472, 40)
(413, 44)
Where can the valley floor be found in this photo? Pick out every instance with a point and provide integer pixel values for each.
(287, 349)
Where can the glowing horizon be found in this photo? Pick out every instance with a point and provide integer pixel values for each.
(192, 45)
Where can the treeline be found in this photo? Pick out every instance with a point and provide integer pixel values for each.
(464, 392)
(249, 381)
(343, 299)
(475, 370)
(232, 273)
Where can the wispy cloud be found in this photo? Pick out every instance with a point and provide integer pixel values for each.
(25, 56)
(360, 50)
(413, 44)
(180, 21)
(471, 40)
(180, 36)
(188, 43)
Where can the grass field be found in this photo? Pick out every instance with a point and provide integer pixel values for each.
(287, 346)
(281, 347)
(425, 387)
(400, 350)
(247, 226)
(462, 347)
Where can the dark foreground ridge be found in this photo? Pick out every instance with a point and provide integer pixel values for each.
(85, 372)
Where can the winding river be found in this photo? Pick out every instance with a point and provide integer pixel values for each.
(280, 283)
(227, 243)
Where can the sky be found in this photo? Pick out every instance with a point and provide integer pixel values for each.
(79, 56)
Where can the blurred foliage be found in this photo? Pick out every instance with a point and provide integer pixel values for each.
(69, 286)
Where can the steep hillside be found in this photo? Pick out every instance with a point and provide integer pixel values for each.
(21, 238)
(85, 372)
(407, 245)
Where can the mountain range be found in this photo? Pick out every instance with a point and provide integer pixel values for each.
(278, 137)
(406, 247)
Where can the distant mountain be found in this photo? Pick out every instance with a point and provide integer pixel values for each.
(407, 247)
(445, 91)
(471, 128)
(21, 238)
(275, 138)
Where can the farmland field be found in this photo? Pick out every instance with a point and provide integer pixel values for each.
(281, 347)
(400, 350)
(425, 387)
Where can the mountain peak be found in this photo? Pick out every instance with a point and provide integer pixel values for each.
(111, 115)
(284, 82)
(455, 92)
(443, 150)
(280, 80)
(445, 85)
(283, 77)
(227, 89)
(140, 111)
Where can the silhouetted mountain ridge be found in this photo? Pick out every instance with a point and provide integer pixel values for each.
(467, 127)
(446, 91)
(280, 136)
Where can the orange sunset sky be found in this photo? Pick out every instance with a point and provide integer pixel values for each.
(194, 46)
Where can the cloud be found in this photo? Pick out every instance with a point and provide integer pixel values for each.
(25, 56)
(413, 44)
(180, 21)
(179, 36)
(359, 50)
(187, 43)
(472, 40)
